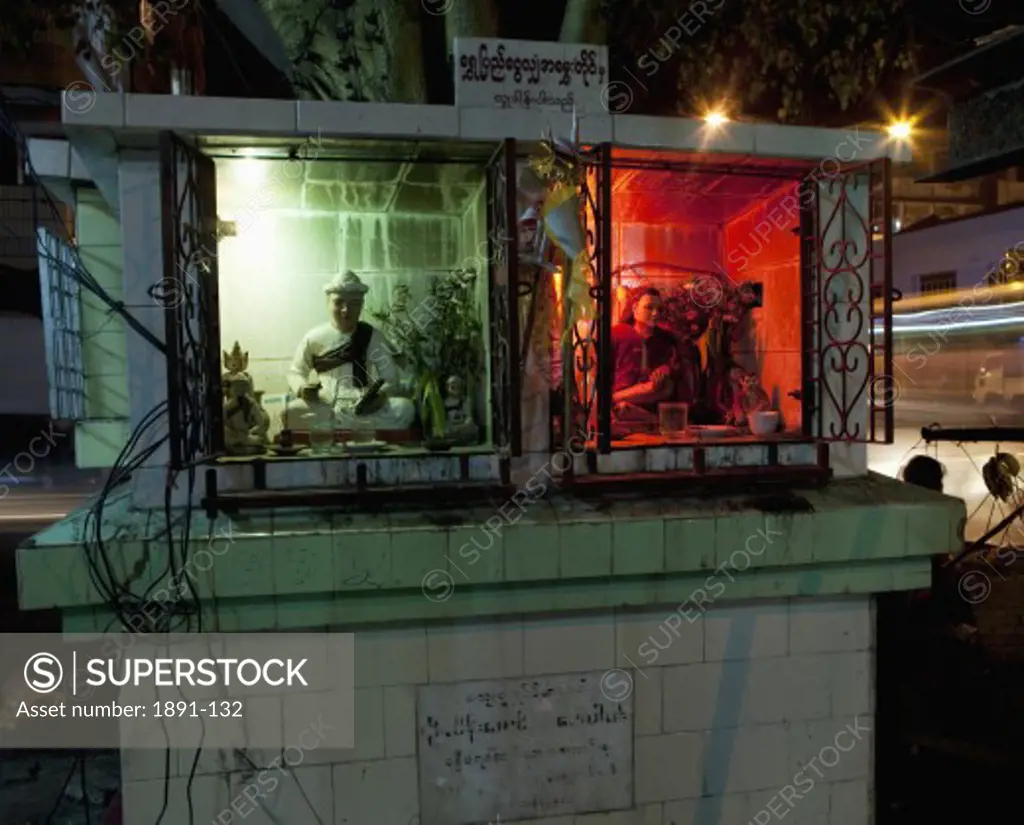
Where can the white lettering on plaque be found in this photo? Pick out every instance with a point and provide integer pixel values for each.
(524, 74)
(522, 749)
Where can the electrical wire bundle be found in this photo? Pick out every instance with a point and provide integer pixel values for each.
(126, 605)
(141, 613)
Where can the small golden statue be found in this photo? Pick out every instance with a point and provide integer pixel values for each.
(246, 423)
(236, 362)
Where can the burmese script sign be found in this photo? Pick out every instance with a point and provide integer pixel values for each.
(522, 749)
(524, 74)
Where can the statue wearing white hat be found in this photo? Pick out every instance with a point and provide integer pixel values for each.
(347, 356)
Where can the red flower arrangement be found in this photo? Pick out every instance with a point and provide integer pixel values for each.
(707, 301)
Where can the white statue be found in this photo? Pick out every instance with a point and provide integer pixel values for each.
(460, 426)
(348, 356)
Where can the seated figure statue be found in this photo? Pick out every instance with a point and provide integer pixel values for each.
(347, 355)
(648, 367)
(246, 423)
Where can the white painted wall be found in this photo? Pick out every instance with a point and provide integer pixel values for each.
(738, 712)
(971, 247)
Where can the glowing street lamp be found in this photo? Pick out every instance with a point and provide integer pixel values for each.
(900, 129)
(715, 119)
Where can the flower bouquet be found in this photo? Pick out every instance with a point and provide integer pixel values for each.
(550, 185)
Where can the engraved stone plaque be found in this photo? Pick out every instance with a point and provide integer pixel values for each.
(522, 749)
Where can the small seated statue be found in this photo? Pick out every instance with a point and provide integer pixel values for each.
(460, 426)
(747, 396)
(246, 423)
(347, 355)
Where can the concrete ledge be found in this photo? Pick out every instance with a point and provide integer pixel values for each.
(376, 120)
(56, 159)
(229, 115)
(530, 125)
(674, 593)
(853, 531)
(82, 106)
(242, 116)
(680, 133)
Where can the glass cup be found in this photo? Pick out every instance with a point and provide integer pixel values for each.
(363, 432)
(673, 419)
(321, 432)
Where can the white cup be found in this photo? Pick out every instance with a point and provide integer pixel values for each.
(764, 422)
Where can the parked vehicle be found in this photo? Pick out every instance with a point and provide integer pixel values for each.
(1001, 376)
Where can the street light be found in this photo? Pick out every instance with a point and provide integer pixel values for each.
(715, 119)
(900, 129)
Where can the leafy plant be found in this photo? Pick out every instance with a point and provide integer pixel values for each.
(790, 60)
(441, 337)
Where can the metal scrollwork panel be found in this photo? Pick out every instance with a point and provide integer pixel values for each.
(854, 372)
(189, 296)
(585, 336)
(503, 303)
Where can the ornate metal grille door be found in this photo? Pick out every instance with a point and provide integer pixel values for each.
(188, 294)
(588, 382)
(503, 289)
(851, 297)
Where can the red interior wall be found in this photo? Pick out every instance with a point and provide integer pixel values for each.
(761, 247)
(680, 244)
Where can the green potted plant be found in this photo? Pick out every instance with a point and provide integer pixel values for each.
(437, 341)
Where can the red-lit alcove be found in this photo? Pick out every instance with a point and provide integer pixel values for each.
(678, 218)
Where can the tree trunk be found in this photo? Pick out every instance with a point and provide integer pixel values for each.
(369, 51)
(470, 19)
(582, 23)
(408, 81)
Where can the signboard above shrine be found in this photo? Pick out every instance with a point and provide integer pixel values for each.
(491, 73)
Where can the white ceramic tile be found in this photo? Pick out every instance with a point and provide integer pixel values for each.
(668, 767)
(832, 626)
(460, 653)
(569, 645)
(750, 631)
(376, 792)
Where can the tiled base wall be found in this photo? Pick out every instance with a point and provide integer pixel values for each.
(739, 717)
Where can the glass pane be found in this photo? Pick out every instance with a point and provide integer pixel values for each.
(346, 286)
(706, 297)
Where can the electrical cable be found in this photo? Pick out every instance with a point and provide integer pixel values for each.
(85, 792)
(63, 789)
(79, 273)
(227, 50)
(126, 606)
(312, 809)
